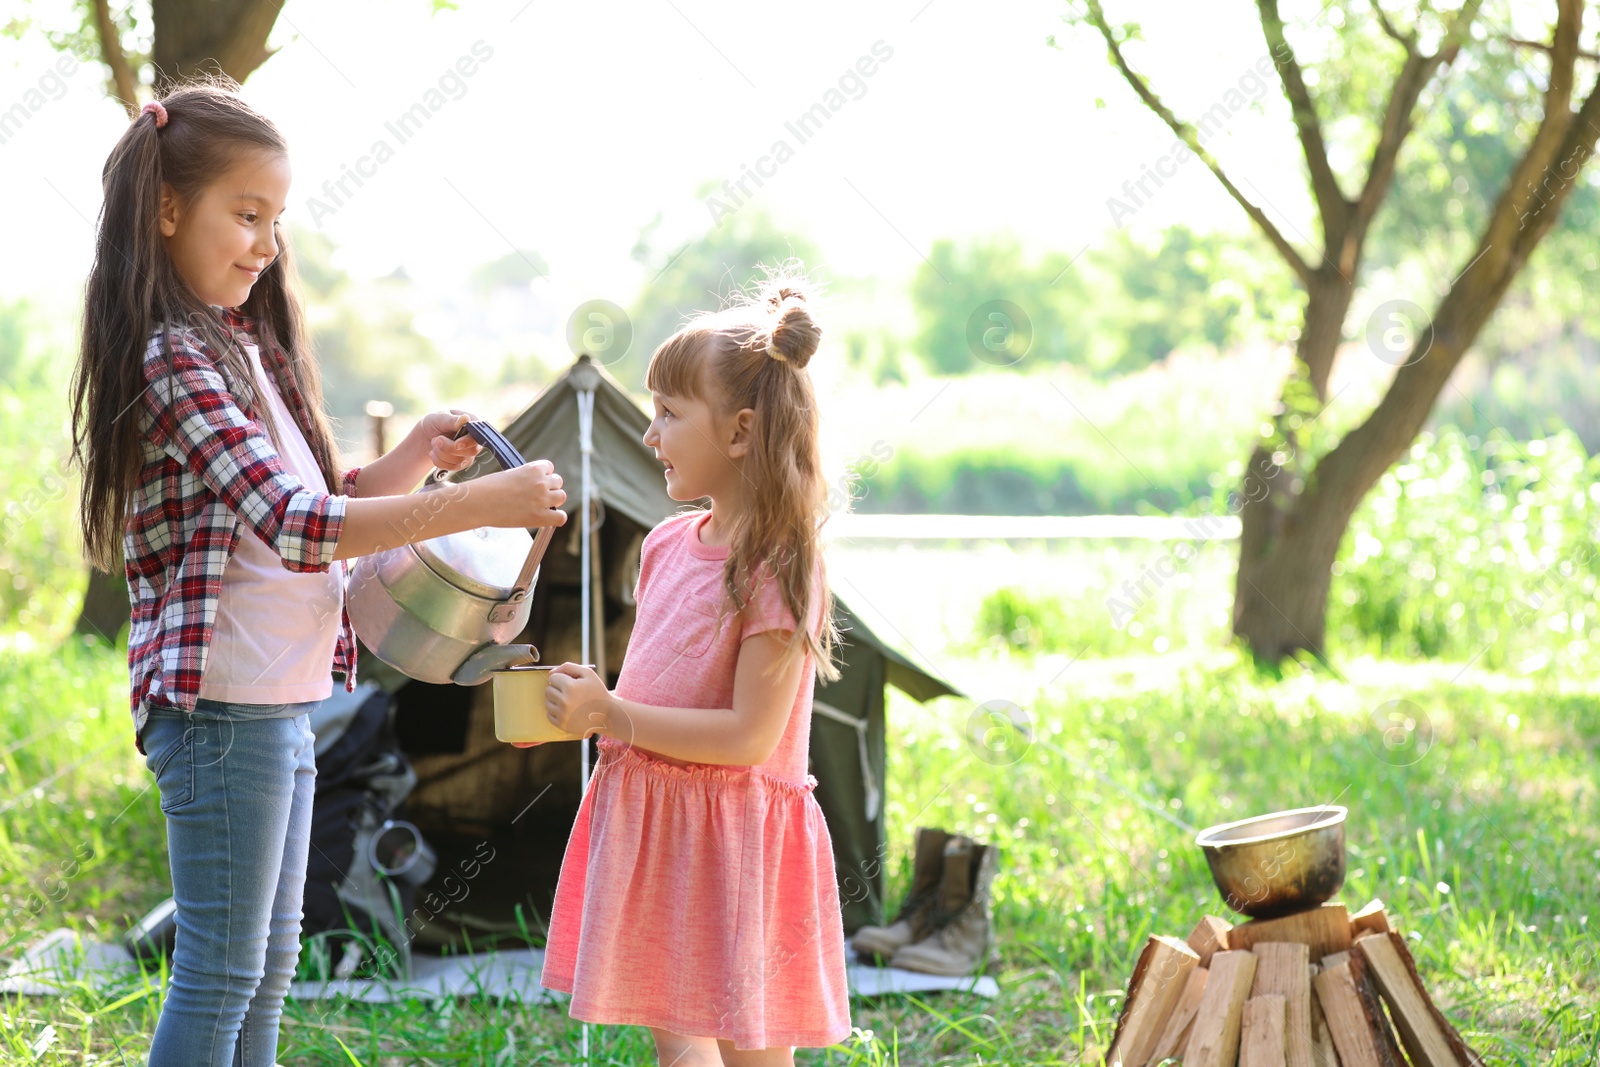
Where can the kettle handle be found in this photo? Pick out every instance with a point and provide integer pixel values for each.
(506, 454)
(524, 583)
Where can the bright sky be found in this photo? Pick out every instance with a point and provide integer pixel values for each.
(581, 122)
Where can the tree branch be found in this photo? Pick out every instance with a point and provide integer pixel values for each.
(1417, 71)
(1408, 41)
(1191, 138)
(115, 59)
(1528, 191)
(1542, 47)
(1332, 204)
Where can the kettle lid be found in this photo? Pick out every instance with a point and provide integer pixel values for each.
(484, 562)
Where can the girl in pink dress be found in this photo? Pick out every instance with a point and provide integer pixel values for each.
(697, 895)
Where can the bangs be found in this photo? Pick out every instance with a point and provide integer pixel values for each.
(678, 367)
(675, 367)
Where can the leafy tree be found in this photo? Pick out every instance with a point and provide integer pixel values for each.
(1355, 101)
(147, 47)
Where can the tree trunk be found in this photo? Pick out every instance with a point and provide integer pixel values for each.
(1327, 303)
(116, 61)
(1280, 601)
(207, 37)
(105, 606)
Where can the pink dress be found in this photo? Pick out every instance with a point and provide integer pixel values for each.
(700, 898)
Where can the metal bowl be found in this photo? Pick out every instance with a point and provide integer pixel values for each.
(1280, 863)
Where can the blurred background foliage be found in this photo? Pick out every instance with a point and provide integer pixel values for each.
(1154, 358)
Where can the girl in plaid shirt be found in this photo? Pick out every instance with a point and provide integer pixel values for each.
(207, 459)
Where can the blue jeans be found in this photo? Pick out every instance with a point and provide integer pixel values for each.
(236, 784)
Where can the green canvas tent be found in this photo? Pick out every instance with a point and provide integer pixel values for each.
(502, 814)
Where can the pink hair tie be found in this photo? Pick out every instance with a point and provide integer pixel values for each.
(154, 108)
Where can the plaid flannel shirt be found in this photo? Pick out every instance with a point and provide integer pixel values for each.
(207, 467)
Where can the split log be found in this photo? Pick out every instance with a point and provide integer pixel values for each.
(1261, 1035)
(1388, 1046)
(1354, 1021)
(1322, 1050)
(1284, 969)
(1210, 935)
(1326, 930)
(1429, 1038)
(1372, 919)
(1176, 1033)
(1158, 981)
(1214, 1038)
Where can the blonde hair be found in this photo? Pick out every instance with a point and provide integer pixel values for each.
(753, 354)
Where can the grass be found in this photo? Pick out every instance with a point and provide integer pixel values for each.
(1478, 823)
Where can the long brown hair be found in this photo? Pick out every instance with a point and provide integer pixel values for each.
(134, 291)
(753, 354)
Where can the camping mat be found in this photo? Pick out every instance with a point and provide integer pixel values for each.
(61, 961)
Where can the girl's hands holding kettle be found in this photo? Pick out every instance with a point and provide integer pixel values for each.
(529, 495)
(389, 513)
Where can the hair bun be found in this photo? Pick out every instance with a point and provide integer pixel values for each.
(777, 294)
(795, 336)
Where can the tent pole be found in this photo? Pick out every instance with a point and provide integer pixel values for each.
(586, 379)
(586, 448)
(598, 584)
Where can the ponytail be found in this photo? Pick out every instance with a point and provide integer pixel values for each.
(130, 269)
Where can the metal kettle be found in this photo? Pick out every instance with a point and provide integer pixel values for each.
(446, 609)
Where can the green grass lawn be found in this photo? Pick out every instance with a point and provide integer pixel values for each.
(1478, 825)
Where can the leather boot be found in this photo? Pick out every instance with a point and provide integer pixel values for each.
(911, 921)
(961, 940)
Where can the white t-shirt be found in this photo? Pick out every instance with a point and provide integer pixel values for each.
(276, 629)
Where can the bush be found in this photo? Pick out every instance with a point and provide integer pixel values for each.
(41, 566)
(1010, 618)
(1475, 551)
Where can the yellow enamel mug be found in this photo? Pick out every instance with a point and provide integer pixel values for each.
(519, 713)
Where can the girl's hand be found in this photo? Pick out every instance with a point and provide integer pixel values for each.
(438, 428)
(529, 495)
(577, 700)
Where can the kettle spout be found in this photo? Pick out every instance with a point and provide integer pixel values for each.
(490, 658)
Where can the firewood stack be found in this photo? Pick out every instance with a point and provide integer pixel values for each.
(1318, 988)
